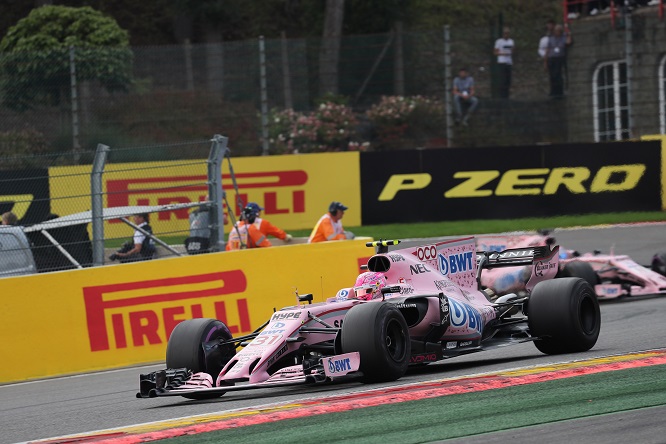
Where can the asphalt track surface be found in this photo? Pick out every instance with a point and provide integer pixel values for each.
(70, 405)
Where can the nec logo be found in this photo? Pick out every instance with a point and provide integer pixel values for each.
(150, 310)
(274, 189)
(418, 269)
(456, 263)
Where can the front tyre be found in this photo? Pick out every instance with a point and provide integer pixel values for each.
(193, 345)
(564, 313)
(377, 331)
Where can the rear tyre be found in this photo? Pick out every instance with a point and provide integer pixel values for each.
(581, 270)
(564, 314)
(377, 331)
(186, 348)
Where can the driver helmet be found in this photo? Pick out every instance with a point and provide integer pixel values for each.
(369, 285)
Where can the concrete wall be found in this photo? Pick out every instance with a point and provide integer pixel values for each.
(596, 42)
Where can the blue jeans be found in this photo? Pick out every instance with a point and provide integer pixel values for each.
(458, 101)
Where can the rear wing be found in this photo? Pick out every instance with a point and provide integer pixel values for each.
(512, 257)
(543, 260)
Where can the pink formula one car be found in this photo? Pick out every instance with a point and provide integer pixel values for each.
(612, 276)
(414, 306)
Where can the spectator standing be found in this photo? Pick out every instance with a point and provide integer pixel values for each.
(267, 228)
(464, 94)
(504, 48)
(543, 43)
(141, 247)
(329, 227)
(245, 233)
(9, 218)
(555, 59)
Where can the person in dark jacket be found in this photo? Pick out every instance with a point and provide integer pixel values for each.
(141, 247)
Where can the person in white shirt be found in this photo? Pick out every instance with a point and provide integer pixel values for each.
(504, 48)
(543, 43)
(141, 247)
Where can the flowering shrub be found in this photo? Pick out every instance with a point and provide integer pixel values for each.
(21, 148)
(405, 121)
(331, 127)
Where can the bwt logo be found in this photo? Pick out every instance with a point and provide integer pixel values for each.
(128, 307)
(186, 189)
(463, 315)
(456, 263)
(339, 365)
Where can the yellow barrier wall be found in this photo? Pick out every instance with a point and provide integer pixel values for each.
(661, 137)
(295, 190)
(115, 316)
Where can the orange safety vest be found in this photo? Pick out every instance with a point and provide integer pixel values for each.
(247, 235)
(327, 230)
(268, 229)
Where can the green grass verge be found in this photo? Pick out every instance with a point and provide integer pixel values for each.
(463, 415)
(452, 228)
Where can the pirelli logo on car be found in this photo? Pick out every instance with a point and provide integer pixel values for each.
(141, 313)
(281, 192)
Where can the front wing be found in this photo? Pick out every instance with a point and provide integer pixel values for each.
(182, 382)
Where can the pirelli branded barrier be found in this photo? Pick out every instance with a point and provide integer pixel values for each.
(295, 190)
(26, 194)
(107, 317)
(378, 187)
(526, 181)
(662, 139)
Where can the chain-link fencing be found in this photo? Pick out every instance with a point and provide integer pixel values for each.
(180, 92)
(78, 209)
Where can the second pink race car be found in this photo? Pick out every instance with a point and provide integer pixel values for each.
(612, 276)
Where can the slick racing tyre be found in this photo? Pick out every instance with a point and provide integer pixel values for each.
(380, 334)
(564, 314)
(186, 348)
(581, 270)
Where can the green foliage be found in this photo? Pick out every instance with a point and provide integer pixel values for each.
(14, 144)
(35, 60)
(399, 121)
(168, 116)
(330, 127)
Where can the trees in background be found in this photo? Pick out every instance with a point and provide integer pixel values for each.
(35, 62)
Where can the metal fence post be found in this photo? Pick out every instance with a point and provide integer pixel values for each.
(286, 76)
(629, 55)
(264, 96)
(447, 86)
(76, 146)
(218, 150)
(97, 204)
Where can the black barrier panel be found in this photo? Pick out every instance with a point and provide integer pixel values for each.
(25, 193)
(515, 182)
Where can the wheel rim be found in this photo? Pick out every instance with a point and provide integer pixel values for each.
(588, 318)
(395, 340)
